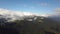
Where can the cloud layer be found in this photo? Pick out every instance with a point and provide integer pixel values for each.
(19, 13)
(13, 15)
(44, 4)
(4, 11)
(57, 10)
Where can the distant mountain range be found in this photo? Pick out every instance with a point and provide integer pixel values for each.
(55, 17)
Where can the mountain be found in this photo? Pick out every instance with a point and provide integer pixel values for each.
(55, 17)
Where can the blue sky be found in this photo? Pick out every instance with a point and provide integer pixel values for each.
(35, 6)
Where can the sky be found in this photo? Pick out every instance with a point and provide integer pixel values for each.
(34, 6)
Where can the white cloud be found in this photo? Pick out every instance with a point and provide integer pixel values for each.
(44, 4)
(14, 14)
(56, 12)
(19, 13)
(57, 9)
(5, 11)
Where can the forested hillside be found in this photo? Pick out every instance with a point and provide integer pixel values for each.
(39, 26)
